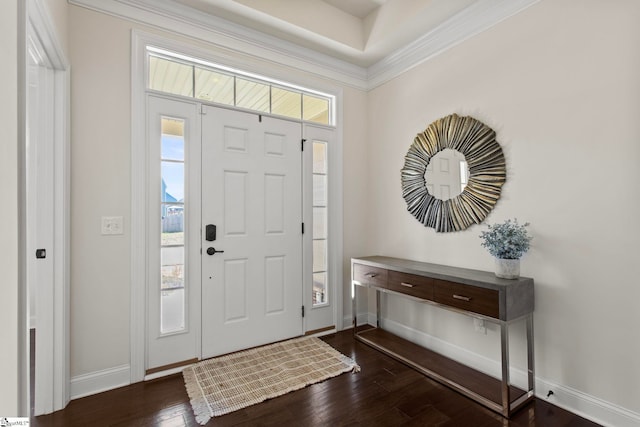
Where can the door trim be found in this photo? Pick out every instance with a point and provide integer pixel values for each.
(139, 40)
(37, 32)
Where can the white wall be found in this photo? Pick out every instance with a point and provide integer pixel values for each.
(9, 391)
(99, 50)
(560, 84)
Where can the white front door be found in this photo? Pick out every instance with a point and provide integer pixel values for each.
(252, 195)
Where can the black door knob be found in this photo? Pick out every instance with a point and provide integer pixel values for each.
(212, 251)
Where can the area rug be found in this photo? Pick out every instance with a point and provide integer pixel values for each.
(228, 383)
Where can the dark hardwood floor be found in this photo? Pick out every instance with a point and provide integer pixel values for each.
(384, 393)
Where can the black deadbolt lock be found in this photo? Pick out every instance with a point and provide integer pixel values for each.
(210, 232)
(41, 253)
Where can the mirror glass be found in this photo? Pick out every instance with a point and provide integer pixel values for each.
(447, 174)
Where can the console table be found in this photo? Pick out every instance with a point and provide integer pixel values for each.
(475, 293)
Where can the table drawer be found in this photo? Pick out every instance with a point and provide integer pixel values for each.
(368, 275)
(467, 297)
(410, 284)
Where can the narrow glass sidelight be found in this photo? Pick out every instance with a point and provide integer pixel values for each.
(172, 212)
(320, 227)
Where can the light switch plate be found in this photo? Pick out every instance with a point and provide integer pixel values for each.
(112, 225)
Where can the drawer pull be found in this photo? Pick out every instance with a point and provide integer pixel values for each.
(461, 297)
(408, 285)
(371, 275)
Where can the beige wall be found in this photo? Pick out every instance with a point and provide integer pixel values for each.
(58, 9)
(559, 84)
(100, 186)
(9, 216)
(355, 190)
(99, 50)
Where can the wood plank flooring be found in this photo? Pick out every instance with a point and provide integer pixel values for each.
(384, 393)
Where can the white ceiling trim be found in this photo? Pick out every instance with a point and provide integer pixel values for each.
(175, 17)
(469, 22)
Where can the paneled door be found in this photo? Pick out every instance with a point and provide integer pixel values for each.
(251, 230)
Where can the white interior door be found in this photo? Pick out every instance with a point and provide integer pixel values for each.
(251, 192)
(173, 234)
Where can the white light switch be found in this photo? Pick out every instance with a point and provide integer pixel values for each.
(112, 225)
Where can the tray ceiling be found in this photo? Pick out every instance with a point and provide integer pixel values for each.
(360, 32)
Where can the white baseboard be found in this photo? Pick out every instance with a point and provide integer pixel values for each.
(587, 406)
(99, 381)
(582, 404)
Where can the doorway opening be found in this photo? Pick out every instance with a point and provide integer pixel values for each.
(44, 226)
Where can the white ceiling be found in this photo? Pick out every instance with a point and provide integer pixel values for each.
(360, 32)
(358, 8)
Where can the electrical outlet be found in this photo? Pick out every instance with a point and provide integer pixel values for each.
(112, 225)
(479, 326)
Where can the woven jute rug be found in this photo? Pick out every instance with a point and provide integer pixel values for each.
(228, 383)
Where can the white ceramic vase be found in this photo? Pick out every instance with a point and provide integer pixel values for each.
(507, 268)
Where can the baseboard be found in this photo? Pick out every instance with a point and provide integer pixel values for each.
(587, 406)
(577, 402)
(99, 381)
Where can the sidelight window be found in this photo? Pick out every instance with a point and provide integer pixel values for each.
(320, 235)
(172, 212)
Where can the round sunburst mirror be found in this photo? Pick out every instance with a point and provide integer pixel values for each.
(453, 173)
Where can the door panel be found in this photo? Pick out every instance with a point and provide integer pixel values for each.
(251, 191)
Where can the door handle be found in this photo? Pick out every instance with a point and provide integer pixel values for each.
(212, 251)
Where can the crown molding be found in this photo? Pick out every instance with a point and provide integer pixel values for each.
(180, 19)
(183, 20)
(480, 16)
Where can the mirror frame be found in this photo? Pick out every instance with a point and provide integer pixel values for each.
(487, 173)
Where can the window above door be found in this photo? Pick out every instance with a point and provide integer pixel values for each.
(177, 74)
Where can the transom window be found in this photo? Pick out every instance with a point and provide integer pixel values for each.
(179, 75)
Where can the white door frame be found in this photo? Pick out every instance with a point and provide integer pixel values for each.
(38, 37)
(139, 172)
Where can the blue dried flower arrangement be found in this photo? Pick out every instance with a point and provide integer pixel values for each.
(508, 240)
